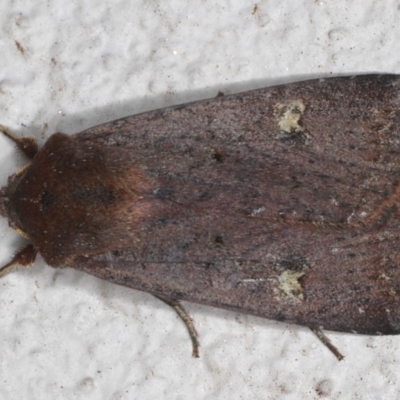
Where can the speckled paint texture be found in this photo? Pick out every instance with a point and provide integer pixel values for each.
(66, 66)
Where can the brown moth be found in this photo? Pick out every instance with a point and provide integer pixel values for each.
(281, 202)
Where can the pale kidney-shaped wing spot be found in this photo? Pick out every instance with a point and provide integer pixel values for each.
(289, 288)
(289, 118)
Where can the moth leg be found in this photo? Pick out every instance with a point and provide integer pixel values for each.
(325, 340)
(24, 258)
(27, 145)
(186, 319)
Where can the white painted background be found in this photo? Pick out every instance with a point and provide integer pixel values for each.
(66, 335)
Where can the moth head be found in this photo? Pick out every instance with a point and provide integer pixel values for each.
(6, 204)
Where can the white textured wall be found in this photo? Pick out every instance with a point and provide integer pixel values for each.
(68, 65)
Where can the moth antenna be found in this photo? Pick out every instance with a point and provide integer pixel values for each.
(24, 258)
(27, 145)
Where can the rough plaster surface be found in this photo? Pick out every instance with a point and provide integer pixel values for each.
(68, 65)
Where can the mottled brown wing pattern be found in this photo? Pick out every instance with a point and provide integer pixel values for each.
(285, 203)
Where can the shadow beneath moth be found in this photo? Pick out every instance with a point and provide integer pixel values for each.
(280, 202)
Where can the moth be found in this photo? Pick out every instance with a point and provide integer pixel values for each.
(281, 202)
